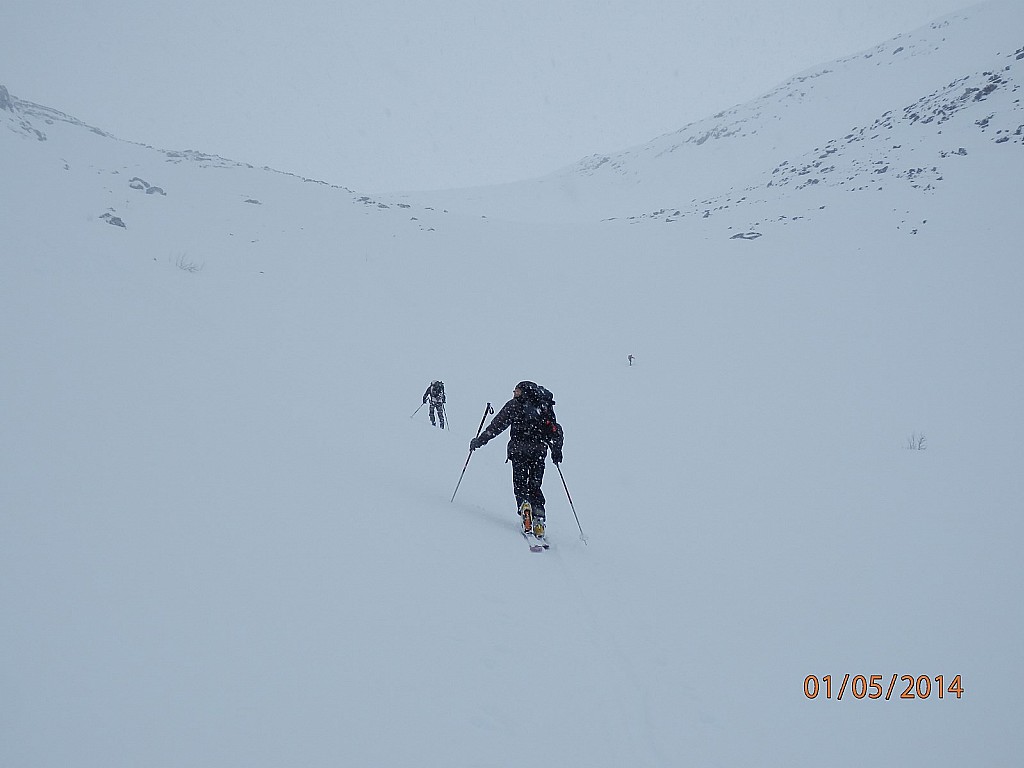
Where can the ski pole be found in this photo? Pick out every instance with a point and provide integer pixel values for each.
(444, 417)
(417, 410)
(479, 429)
(583, 536)
(487, 410)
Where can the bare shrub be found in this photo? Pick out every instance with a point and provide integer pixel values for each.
(916, 442)
(186, 264)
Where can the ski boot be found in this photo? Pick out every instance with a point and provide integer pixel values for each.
(526, 514)
(538, 522)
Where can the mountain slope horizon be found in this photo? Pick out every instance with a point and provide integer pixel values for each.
(958, 68)
(844, 124)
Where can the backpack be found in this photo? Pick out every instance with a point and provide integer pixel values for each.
(538, 408)
(437, 390)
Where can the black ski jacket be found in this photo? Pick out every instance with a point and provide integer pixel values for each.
(524, 439)
(435, 391)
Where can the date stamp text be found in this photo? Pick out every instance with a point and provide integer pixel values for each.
(897, 686)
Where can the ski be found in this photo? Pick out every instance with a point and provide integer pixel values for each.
(536, 545)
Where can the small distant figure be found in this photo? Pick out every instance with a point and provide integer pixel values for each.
(435, 393)
(631, 358)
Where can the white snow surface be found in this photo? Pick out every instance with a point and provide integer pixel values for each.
(225, 540)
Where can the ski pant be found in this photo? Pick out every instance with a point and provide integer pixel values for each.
(527, 476)
(439, 407)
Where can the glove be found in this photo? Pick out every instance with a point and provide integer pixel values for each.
(424, 399)
(556, 455)
(476, 442)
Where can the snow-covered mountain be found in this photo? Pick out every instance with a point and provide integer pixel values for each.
(880, 117)
(227, 535)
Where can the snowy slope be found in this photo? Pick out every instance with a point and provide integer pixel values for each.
(883, 115)
(224, 541)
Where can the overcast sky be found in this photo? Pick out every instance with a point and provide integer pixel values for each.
(388, 95)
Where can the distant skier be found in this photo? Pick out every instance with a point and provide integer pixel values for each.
(435, 393)
(531, 416)
(631, 359)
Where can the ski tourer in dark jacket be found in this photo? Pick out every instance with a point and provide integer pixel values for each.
(435, 393)
(530, 419)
